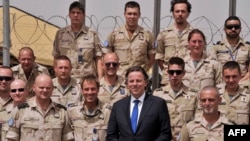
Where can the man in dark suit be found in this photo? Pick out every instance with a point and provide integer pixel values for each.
(139, 117)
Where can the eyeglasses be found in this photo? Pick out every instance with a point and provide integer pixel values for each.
(6, 78)
(19, 90)
(235, 26)
(177, 72)
(114, 64)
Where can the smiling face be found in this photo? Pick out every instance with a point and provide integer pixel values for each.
(18, 91)
(209, 100)
(132, 16)
(136, 83)
(90, 91)
(196, 43)
(110, 64)
(231, 77)
(26, 59)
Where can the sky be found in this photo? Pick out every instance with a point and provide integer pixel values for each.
(208, 15)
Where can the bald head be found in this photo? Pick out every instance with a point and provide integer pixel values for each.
(110, 64)
(18, 91)
(110, 55)
(210, 100)
(43, 87)
(43, 78)
(18, 82)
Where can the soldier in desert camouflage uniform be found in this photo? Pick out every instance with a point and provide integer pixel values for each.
(80, 43)
(18, 93)
(89, 119)
(181, 102)
(112, 86)
(233, 47)
(172, 41)
(67, 91)
(209, 125)
(6, 77)
(131, 42)
(235, 99)
(28, 70)
(200, 70)
(40, 118)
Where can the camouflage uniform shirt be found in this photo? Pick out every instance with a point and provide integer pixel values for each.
(82, 49)
(87, 126)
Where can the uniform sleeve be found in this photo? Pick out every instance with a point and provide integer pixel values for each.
(212, 53)
(183, 136)
(98, 45)
(151, 48)
(55, 51)
(218, 74)
(160, 50)
(14, 126)
(67, 129)
(109, 43)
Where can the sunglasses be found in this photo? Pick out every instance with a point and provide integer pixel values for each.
(19, 90)
(236, 26)
(114, 64)
(177, 72)
(6, 78)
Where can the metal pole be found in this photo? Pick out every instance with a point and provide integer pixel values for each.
(83, 2)
(6, 33)
(232, 7)
(157, 17)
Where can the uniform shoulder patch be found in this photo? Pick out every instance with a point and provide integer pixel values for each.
(23, 105)
(11, 122)
(60, 106)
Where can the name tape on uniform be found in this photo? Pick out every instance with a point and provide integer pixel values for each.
(232, 132)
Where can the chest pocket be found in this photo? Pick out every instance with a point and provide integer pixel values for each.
(188, 113)
(87, 50)
(139, 51)
(242, 115)
(123, 52)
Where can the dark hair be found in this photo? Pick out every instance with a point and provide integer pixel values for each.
(62, 57)
(76, 4)
(196, 31)
(231, 65)
(90, 77)
(173, 2)
(8, 68)
(132, 4)
(232, 18)
(136, 69)
(178, 61)
(27, 49)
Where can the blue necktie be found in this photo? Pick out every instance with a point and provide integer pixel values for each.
(134, 115)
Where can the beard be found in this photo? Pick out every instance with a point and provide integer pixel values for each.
(232, 35)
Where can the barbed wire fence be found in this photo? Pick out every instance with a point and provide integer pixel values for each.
(105, 25)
